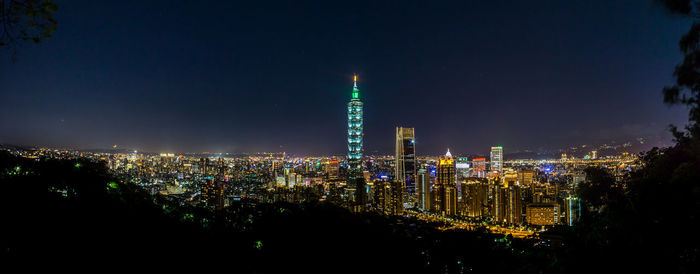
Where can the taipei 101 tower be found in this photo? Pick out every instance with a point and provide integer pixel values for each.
(355, 129)
(355, 179)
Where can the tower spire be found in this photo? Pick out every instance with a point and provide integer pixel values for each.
(355, 90)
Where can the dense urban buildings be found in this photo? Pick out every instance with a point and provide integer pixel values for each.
(530, 194)
(520, 196)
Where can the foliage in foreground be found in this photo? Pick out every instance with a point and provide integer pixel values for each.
(74, 212)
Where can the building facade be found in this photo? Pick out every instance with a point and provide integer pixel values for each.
(546, 214)
(388, 197)
(497, 159)
(475, 198)
(405, 159)
(355, 183)
(423, 188)
(355, 128)
(478, 168)
(445, 186)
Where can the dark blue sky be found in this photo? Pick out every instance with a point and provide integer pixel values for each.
(191, 76)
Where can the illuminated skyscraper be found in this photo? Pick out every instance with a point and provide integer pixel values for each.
(479, 167)
(462, 165)
(388, 197)
(445, 186)
(405, 166)
(423, 188)
(355, 178)
(332, 170)
(213, 194)
(509, 178)
(355, 128)
(508, 207)
(497, 159)
(475, 198)
(462, 171)
(572, 210)
(203, 166)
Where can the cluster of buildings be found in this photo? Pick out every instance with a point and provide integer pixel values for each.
(456, 188)
(521, 194)
(478, 190)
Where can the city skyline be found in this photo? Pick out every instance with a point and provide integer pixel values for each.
(224, 99)
(351, 137)
(355, 136)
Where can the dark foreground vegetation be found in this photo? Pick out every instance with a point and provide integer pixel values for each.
(73, 212)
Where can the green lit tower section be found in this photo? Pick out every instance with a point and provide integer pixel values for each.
(355, 129)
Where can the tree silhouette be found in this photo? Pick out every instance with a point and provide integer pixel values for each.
(26, 20)
(599, 189)
(686, 90)
(71, 212)
(650, 220)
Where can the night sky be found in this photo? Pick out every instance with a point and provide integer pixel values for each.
(176, 76)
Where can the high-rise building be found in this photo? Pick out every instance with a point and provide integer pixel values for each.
(507, 207)
(497, 159)
(423, 187)
(509, 178)
(405, 165)
(388, 197)
(479, 167)
(542, 193)
(445, 186)
(291, 179)
(525, 177)
(462, 166)
(475, 198)
(572, 210)
(203, 166)
(512, 206)
(332, 170)
(356, 183)
(462, 173)
(213, 194)
(355, 128)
